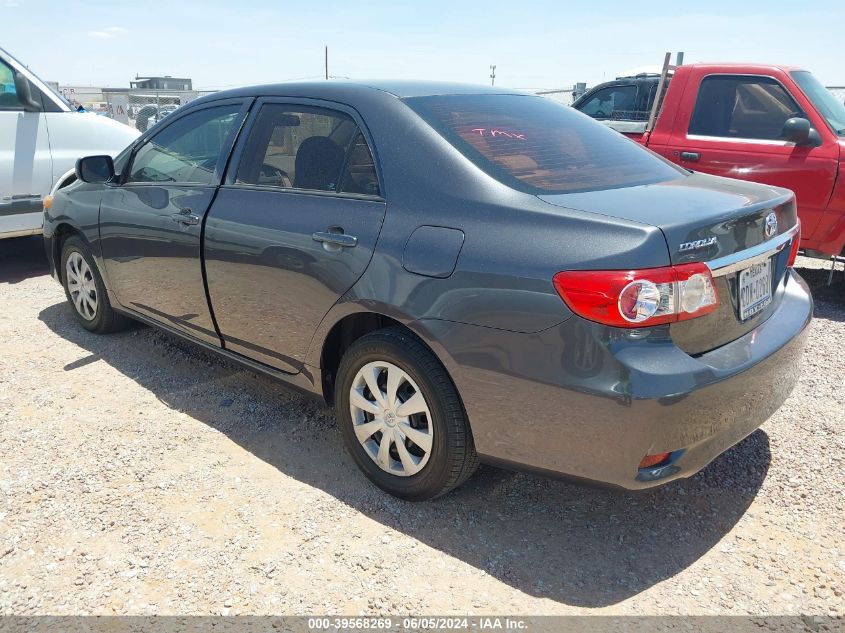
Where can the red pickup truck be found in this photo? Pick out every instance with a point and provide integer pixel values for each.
(771, 124)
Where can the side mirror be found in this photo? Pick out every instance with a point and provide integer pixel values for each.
(25, 94)
(799, 131)
(95, 169)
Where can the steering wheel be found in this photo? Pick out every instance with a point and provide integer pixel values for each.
(602, 114)
(273, 176)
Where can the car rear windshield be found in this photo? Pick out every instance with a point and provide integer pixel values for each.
(536, 145)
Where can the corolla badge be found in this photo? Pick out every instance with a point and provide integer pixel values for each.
(694, 246)
(770, 226)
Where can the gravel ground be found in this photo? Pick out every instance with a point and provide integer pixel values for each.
(140, 475)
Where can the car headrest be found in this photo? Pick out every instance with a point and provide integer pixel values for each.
(318, 163)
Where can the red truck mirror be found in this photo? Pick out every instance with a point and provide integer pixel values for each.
(799, 131)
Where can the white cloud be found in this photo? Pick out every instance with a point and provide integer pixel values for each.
(11, 4)
(108, 33)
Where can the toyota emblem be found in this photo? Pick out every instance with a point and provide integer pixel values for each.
(770, 227)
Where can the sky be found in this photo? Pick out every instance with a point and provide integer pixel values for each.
(533, 43)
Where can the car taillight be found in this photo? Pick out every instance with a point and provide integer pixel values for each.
(793, 249)
(639, 298)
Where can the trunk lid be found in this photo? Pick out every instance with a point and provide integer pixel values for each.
(723, 222)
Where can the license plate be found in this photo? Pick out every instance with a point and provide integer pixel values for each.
(755, 289)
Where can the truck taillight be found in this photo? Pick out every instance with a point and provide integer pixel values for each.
(793, 249)
(639, 298)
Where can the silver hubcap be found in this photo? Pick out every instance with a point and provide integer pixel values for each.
(81, 286)
(391, 418)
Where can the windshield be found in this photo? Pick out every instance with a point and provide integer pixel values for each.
(828, 106)
(536, 145)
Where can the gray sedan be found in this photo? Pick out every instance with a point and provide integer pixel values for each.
(466, 274)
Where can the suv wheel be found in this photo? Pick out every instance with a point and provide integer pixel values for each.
(401, 416)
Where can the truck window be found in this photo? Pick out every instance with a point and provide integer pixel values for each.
(615, 102)
(828, 106)
(538, 146)
(734, 106)
(8, 93)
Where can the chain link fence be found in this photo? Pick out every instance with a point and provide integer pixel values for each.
(142, 108)
(562, 95)
(838, 92)
(137, 108)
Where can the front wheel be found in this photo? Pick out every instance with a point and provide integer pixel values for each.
(401, 417)
(85, 290)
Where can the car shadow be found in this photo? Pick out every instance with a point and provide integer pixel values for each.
(22, 258)
(580, 546)
(828, 293)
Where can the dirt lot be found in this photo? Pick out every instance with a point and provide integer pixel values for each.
(140, 475)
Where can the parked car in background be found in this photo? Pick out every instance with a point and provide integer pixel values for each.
(776, 125)
(41, 136)
(624, 99)
(168, 109)
(148, 115)
(464, 272)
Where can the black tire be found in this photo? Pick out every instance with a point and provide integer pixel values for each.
(105, 319)
(452, 458)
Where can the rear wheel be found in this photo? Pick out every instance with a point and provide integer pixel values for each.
(401, 417)
(85, 290)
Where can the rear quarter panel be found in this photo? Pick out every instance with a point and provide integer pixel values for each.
(514, 242)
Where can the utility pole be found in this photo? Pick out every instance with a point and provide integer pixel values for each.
(327, 63)
(492, 74)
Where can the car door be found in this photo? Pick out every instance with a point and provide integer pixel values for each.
(293, 228)
(732, 126)
(151, 222)
(26, 167)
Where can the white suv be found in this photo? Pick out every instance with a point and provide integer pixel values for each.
(41, 137)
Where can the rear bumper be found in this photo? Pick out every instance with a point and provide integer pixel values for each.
(588, 401)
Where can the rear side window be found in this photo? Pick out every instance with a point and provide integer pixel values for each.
(536, 145)
(617, 102)
(300, 147)
(188, 150)
(733, 106)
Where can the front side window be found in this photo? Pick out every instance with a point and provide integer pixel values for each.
(616, 102)
(539, 146)
(300, 147)
(187, 151)
(8, 93)
(732, 106)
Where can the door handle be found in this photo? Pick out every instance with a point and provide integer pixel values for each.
(330, 239)
(690, 156)
(186, 216)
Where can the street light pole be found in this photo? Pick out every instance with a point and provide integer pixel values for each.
(492, 74)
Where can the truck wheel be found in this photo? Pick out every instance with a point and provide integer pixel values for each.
(85, 290)
(401, 417)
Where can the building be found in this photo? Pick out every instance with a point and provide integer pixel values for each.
(161, 83)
